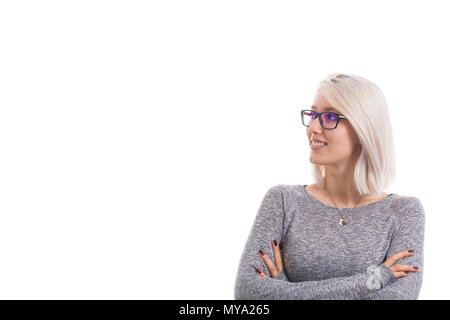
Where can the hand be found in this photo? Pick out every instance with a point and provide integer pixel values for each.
(276, 268)
(400, 270)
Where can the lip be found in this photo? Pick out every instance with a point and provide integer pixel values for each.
(317, 140)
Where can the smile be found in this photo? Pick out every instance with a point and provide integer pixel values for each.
(317, 145)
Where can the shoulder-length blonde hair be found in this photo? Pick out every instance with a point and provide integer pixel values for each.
(364, 105)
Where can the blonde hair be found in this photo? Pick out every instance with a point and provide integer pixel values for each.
(365, 107)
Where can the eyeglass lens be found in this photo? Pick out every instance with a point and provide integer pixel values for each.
(329, 120)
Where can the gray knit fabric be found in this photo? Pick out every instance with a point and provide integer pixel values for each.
(324, 260)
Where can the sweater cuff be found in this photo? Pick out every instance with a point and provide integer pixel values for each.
(378, 276)
(386, 274)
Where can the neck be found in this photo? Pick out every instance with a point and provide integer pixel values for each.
(339, 183)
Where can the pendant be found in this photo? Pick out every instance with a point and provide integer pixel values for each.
(343, 220)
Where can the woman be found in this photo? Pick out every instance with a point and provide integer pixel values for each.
(341, 237)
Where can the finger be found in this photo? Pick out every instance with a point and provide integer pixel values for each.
(400, 274)
(402, 267)
(277, 256)
(272, 269)
(261, 274)
(397, 256)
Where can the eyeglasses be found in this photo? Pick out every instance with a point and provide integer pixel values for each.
(328, 120)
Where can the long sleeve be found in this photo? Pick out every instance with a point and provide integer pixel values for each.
(268, 226)
(409, 236)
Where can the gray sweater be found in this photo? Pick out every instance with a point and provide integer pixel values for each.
(324, 260)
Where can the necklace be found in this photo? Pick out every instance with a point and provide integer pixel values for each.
(343, 220)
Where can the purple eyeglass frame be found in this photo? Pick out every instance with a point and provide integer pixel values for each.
(319, 114)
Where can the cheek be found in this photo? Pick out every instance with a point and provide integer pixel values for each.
(340, 147)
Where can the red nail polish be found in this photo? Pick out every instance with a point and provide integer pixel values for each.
(259, 271)
(275, 243)
(261, 252)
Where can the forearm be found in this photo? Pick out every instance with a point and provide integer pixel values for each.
(397, 289)
(250, 287)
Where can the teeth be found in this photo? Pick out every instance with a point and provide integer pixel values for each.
(316, 144)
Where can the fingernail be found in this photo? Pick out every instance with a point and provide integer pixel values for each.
(261, 252)
(259, 271)
(411, 251)
(406, 272)
(275, 242)
(416, 268)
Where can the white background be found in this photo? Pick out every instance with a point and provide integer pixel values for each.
(137, 138)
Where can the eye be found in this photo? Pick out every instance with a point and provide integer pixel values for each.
(330, 117)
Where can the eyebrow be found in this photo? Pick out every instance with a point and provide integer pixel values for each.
(326, 109)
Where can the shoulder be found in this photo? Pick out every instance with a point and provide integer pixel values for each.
(287, 195)
(275, 194)
(282, 201)
(408, 209)
(287, 190)
(405, 203)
